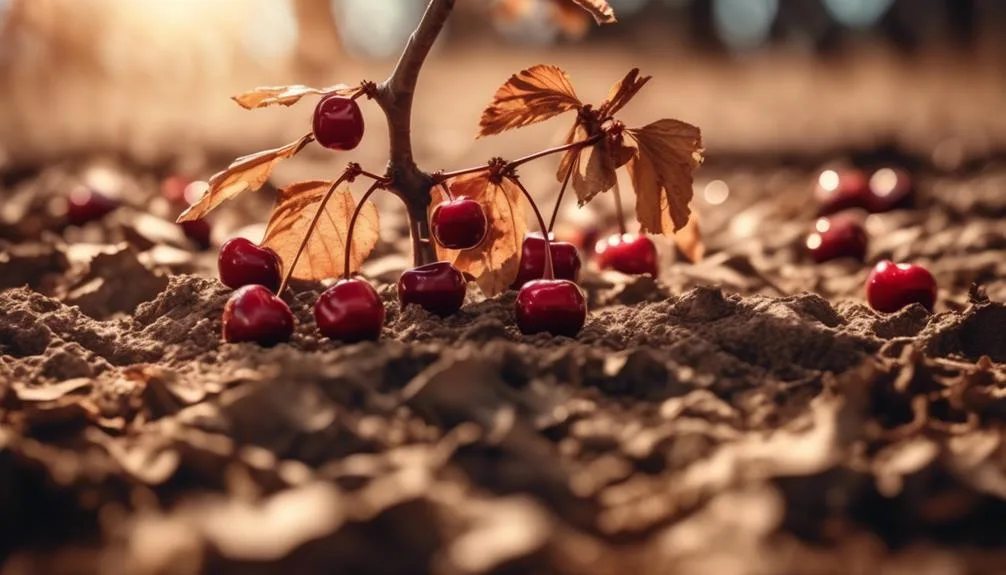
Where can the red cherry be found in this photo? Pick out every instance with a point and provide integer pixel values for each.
(554, 306)
(459, 224)
(891, 287)
(254, 314)
(628, 253)
(843, 189)
(837, 237)
(350, 311)
(87, 205)
(438, 287)
(565, 260)
(890, 188)
(242, 263)
(199, 231)
(338, 123)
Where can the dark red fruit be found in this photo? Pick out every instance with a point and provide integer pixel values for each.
(438, 287)
(890, 188)
(254, 314)
(199, 231)
(891, 287)
(837, 237)
(338, 123)
(459, 224)
(565, 260)
(350, 311)
(628, 253)
(842, 189)
(87, 205)
(242, 263)
(554, 306)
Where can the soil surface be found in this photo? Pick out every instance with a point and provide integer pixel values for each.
(749, 414)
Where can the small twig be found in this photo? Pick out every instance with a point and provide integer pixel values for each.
(442, 176)
(562, 191)
(352, 224)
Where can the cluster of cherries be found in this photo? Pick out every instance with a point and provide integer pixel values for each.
(839, 233)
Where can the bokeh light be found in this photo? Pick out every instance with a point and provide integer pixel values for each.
(857, 13)
(376, 28)
(744, 24)
(716, 192)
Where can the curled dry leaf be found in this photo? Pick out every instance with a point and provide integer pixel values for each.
(599, 9)
(622, 92)
(325, 253)
(529, 96)
(245, 174)
(689, 239)
(661, 172)
(494, 262)
(288, 95)
(594, 172)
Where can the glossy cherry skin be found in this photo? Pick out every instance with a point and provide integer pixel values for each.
(350, 311)
(338, 123)
(890, 188)
(842, 189)
(891, 287)
(837, 237)
(87, 205)
(199, 231)
(554, 306)
(439, 288)
(255, 314)
(565, 260)
(459, 224)
(628, 253)
(242, 263)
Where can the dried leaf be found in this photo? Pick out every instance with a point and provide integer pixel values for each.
(599, 9)
(245, 174)
(324, 256)
(576, 133)
(595, 168)
(661, 172)
(529, 96)
(288, 95)
(622, 92)
(689, 239)
(493, 263)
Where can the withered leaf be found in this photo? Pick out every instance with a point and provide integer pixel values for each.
(595, 168)
(599, 9)
(245, 174)
(661, 171)
(324, 256)
(529, 96)
(689, 239)
(622, 92)
(288, 95)
(494, 262)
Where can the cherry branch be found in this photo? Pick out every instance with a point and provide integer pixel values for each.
(513, 164)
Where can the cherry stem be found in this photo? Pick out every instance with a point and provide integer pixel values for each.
(352, 224)
(442, 176)
(618, 208)
(549, 273)
(447, 190)
(310, 228)
(562, 191)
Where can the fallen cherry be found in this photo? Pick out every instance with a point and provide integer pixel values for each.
(459, 223)
(837, 237)
(255, 314)
(890, 188)
(843, 189)
(438, 287)
(87, 205)
(350, 311)
(891, 287)
(199, 231)
(565, 260)
(338, 123)
(242, 263)
(628, 253)
(554, 306)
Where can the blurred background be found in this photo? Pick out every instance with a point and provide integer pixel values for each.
(150, 81)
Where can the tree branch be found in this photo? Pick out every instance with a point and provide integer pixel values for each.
(394, 95)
